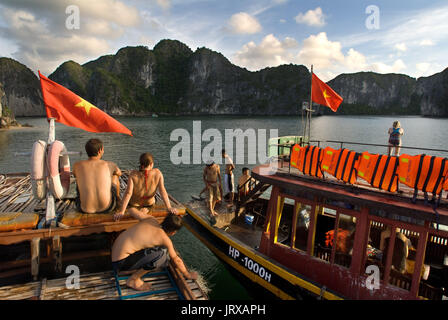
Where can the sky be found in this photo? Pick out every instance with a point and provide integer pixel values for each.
(335, 36)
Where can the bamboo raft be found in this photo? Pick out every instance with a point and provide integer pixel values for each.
(102, 286)
(22, 220)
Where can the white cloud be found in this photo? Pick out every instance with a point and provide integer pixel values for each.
(355, 60)
(401, 47)
(164, 4)
(314, 18)
(43, 42)
(380, 67)
(427, 43)
(423, 67)
(270, 52)
(282, 21)
(317, 50)
(326, 56)
(244, 23)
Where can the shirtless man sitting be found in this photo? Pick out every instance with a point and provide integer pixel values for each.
(97, 181)
(211, 176)
(143, 247)
(141, 190)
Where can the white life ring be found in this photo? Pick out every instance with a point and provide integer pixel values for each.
(38, 170)
(59, 169)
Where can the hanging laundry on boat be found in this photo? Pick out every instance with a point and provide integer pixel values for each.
(70, 109)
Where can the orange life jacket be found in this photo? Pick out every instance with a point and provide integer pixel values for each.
(295, 155)
(307, 159)
(379, 170)
(342, 164)
(424, 173)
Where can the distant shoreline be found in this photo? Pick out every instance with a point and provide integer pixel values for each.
(24, 127)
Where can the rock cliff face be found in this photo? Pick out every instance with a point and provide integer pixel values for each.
(22, 89)
(216, 86)
(373, 93)
(433, 92)
(6, 117)
(172, 79)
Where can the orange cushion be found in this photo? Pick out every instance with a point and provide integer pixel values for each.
(12, 221)
(76, 218)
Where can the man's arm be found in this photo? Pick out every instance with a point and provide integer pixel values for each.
(177, 260)
(204, 177)
(127, 197)
(164, 195)
(114, 169)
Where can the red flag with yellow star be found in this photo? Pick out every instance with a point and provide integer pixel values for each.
(72, 110)
(322, 94)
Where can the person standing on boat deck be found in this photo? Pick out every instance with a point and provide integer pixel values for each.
(97, 181)
(147, 246)
(243, 191)
(211, 176)
(229, 183)
(395, 134)
(141, 190)
(400, 251)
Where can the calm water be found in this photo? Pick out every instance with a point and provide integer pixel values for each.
(153, 135)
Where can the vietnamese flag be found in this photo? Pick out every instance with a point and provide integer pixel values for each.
(322, 94)
(70, 109)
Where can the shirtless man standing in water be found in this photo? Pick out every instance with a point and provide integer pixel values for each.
(97, 181)
(141, 190)
(143, 247)
(211, 176)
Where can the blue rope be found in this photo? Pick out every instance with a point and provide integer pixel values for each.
(174, 288)
(181, 297)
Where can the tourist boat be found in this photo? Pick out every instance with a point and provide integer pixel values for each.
(299, 235)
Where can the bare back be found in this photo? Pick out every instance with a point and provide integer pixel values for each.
(145, 187)
(94, 181)
(145, 234)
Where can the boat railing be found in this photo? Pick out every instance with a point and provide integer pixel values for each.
(342, 143)
(286, 147)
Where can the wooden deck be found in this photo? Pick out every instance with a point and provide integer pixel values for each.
(227, 221)
(102, 286)
(22, 216)
(225, 217)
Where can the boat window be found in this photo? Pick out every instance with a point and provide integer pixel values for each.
(345, 238)
(285, 224)
(336, 230)
(403, 255)
(302, 226)
(435, 285)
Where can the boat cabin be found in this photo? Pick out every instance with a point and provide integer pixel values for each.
(355, 240)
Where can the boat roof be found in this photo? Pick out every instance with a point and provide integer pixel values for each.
(293, 182)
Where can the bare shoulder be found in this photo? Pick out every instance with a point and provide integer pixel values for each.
(157, 172)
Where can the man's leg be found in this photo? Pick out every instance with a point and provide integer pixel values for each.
(135, 281)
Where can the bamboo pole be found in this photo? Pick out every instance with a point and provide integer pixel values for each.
(50, 211)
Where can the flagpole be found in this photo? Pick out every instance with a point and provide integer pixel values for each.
(310, 108)
(50, 211)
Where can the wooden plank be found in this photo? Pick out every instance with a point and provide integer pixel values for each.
(35, 256)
